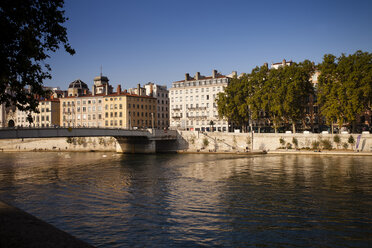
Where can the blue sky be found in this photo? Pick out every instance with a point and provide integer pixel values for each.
(159, 41)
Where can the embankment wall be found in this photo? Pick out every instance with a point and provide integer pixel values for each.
(193, 141)
(60, 144)
(216, 141)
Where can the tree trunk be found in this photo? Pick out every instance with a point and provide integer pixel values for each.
(332, 128)
(353, 123)
(294, 127)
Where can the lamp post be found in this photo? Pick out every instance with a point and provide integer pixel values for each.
(152, 121)
(130, 121)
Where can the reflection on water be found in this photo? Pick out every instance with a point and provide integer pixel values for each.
(195, 200)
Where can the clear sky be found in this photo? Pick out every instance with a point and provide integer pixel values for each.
(159, 41)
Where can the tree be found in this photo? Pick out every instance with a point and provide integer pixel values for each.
(231, 103)
(32, 30)
(290, 86)
(345, 87)
(211, 123)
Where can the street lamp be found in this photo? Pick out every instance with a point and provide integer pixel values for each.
(152, 120)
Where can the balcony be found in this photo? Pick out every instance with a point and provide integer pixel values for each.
(177, 116)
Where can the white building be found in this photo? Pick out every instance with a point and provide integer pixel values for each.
(279, 64)
(161, 93)
(193, 105)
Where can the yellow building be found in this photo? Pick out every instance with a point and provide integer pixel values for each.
(124, 110)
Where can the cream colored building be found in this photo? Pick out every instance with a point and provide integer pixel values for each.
(83, 111)
(192, 102)
(48, 116)
(125, 110)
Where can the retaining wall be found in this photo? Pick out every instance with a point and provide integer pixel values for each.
(217, 141)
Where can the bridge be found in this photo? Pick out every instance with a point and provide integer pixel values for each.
(128, 141)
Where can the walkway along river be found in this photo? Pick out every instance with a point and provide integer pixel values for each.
(190, 200)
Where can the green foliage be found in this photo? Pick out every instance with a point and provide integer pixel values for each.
(315, 144)
(337, 140)
(205, 142)
(231, 103)
(192, 139)
(80, 141)
(289, 146)
(69, 140)
(345, 86)
(32, 30)
(326, 144)
(102, 141)
(282, 141)
(211, 123)
(295, 142)
(351, 140)
(279, 93)
(345, 145)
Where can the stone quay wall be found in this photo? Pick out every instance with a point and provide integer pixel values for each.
(194, 141)
(216, 141)
(79, 144)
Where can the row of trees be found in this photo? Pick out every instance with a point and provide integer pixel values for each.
(279, 96)
(345, 87)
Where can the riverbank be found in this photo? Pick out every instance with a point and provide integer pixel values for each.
(20, 229)
(321, 152)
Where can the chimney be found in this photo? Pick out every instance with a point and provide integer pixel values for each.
(187, 76)
(94, 90)
(197, 76)
(234, 73)
(151, 89)
(125, 91)
(138, 89)
(118, 90)
(266, 65)
(106, 89)
(214, 73)
(284, 62)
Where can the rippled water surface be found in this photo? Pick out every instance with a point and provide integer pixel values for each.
(112, 200)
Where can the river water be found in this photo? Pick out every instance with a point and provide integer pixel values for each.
(169, 200)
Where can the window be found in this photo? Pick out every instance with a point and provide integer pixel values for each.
(207, 97)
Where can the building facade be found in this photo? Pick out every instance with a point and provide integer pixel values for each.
(48, 116)
(161, 93)
(82, 111)
(130, 111)
(193, 105)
